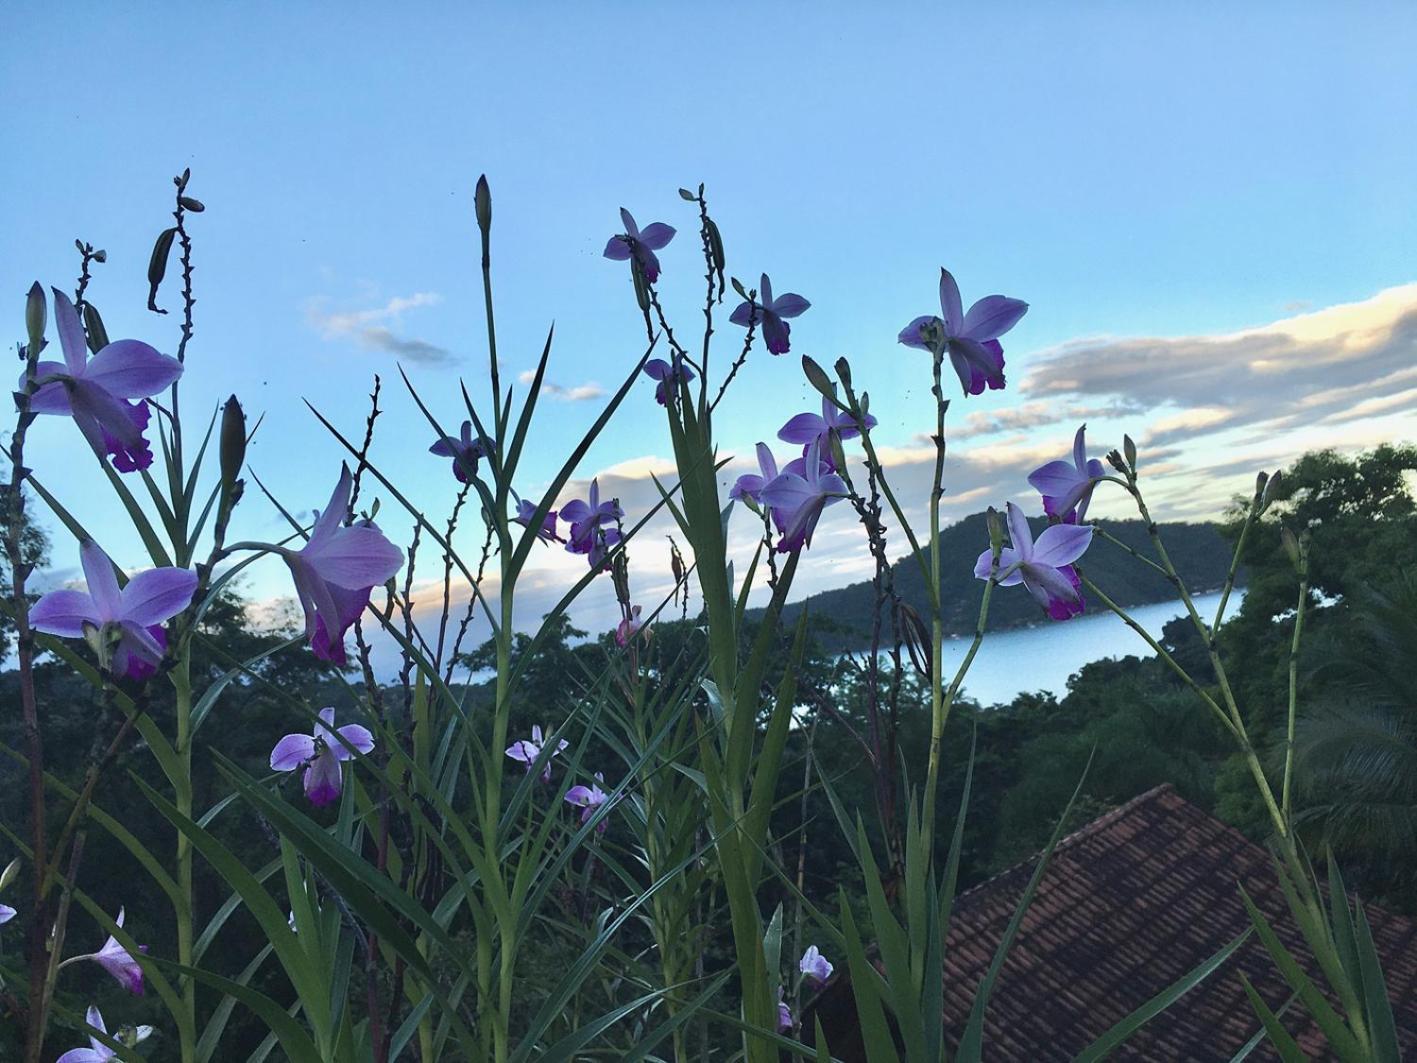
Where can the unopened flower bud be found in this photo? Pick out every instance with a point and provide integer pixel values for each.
(93, 326)
(817, 377)
(996, 530)
(36, 313)
(1261, 479)
(196, 206)
(1291, 546)
(838, 455)
(100, 255)
(233, 442)
(1271, 490)
(917, 638)
(1115, 460)
(641, 287)
(1129, 451)
(843, 370)
(482, 200)
(11, 872)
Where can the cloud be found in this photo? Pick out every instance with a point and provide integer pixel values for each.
(1302, 371)
(1035, 415)
(367, 327)
(575, 393)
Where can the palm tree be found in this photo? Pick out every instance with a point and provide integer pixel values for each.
(1356, 754)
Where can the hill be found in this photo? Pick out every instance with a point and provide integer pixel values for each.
(1199, 552)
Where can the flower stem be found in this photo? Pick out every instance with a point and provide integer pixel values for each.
(1294, 676)
(182, 793)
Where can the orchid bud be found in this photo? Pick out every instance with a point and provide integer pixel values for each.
(1271, 490)
(817, 377)
(686, 195)
(641, 287)
(482, 201)
(620, 577)
(917, 638)
(843, 371)
(715, 244)
(1291, 546)
(1261, 479)
(100, 256)
(1114, 459)
(738, 287)
(233, 442)
(36, 314)
(996, 530)
(157, 266)
(93, 326)
(838, 455)
(1129, 451)
(11, 872)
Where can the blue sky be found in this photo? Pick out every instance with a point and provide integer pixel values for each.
(1169, 186)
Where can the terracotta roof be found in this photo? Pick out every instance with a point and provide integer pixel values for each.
(1129, 904)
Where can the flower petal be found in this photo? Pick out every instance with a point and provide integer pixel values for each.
(656, 235)
(332, 516)
(292, 751)
(130, 369)
(323, 779)
(742, 315)
(628, 220)
(355, 558)
(803, 428)
(157, 595)
(52, 397)
(71, 333)
(1019, 535)
(1062, 544)
(910, 335)
(950, 305)
(617, 248)
(103, 584)
(1008, 566)
(789, 304)
(775, 333)
(357, 736)
(1055, 478)
(991, 317)
(64, 613)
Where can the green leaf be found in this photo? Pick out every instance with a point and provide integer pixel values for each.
(1284, 1043)
(1340, 1038)
(294, 1041)
(1377, 1006)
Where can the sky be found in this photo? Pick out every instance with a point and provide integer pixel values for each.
(1209, 208)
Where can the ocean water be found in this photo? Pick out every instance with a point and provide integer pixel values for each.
(1043, 656)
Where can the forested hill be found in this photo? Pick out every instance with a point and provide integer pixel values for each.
(1199, 551)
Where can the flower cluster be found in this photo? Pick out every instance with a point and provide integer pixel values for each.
(1045, 566)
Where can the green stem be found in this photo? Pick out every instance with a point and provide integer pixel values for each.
(1252, 761)
(1294, 679)
(182, 684)
(939, 706)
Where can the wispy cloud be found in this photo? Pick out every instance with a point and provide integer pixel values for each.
(369, 329)
(572, 393)
(1306, 370)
